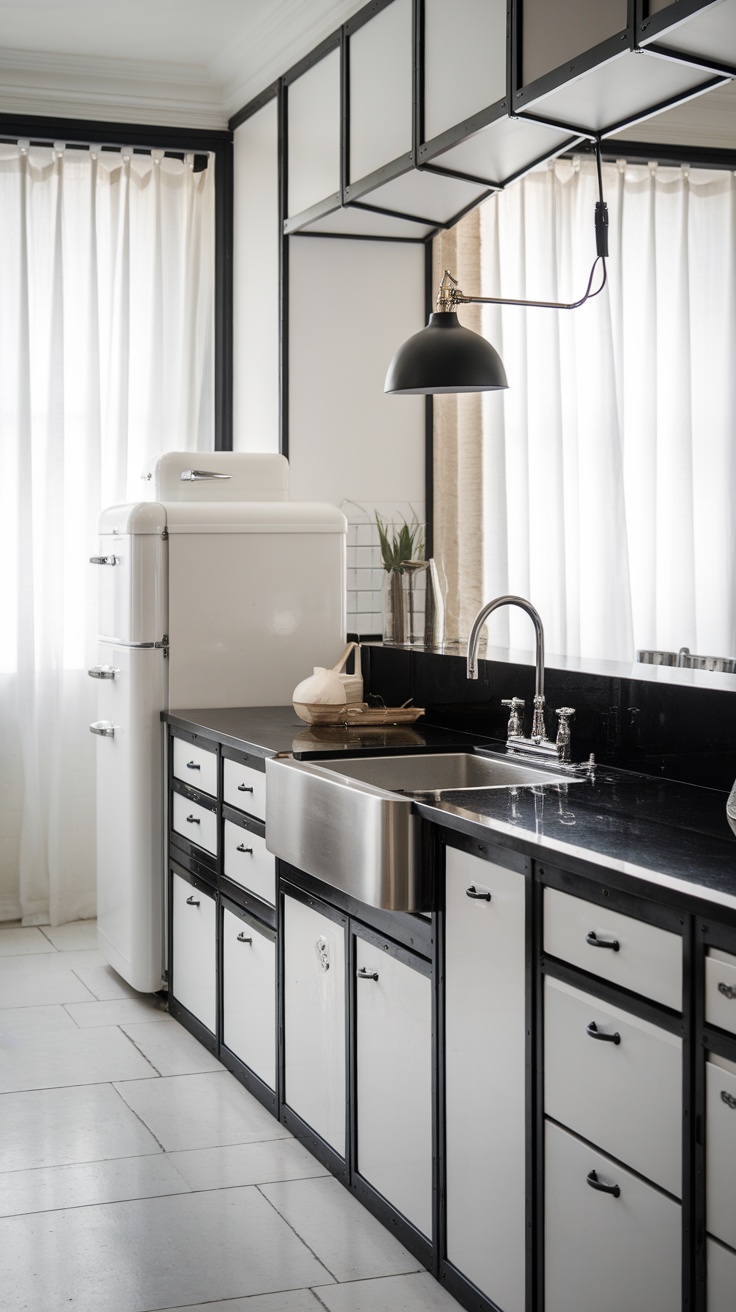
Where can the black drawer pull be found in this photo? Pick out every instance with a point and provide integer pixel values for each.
(729, 1099)
(480, 897)
(192, 765)
(367, 974)
(243, 939)
(595, 1033)
(244, 788)
(192, 902)
(193, 820)
(596, 942)
(727, 990)
(242, 848)
(602, 1188)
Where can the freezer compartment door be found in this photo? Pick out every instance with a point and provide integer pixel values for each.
(131, 587)
(252, 612)
(130, 795)
(194, 476)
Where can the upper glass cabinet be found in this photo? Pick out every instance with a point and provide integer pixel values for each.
(464, 61)
(380, 97)
(314, 134)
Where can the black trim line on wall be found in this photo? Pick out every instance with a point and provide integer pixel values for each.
(283, 209)
(224, 239)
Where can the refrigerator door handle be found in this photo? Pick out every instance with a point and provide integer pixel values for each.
(104, 560)
(104, 728)
(102, 672)
(196, 475)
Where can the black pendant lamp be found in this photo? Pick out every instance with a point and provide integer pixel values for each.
(446, 357)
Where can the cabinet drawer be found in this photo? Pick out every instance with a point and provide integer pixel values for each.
(720, 1138)
(194, 822)
(248, 862)
(720, 990)
(195, 766)
(249, 994)
(624, 1096)
(721, 1277)
(245, 788)
(647, 960)
(194, 953)
(604, 1251)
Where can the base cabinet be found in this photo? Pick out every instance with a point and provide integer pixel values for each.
(611, 1240)
(485, 1074)
(314, 954)
(194, 950)
(249, 992)
(393, 1109)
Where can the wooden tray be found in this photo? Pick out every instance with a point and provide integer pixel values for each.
(357, 713)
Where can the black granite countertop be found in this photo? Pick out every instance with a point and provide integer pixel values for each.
(625, 826)
(270, 730)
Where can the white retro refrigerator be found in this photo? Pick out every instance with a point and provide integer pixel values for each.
(221, 592)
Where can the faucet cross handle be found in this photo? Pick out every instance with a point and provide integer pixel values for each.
(515, 727)
(562, 742)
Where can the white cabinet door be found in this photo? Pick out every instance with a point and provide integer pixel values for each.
(720, 1139)
(606, 1250)
(315, 1020)
(249, 994)
(485, 1076)
(194, 951)
(394, 1081)
(721, 1277)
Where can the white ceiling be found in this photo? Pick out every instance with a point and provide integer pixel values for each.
(182, 62)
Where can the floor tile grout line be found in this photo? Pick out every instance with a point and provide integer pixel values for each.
(299, 1237)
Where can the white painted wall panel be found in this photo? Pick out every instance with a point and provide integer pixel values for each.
(314, 134)
(256, 284)
(352, 304)
(381, 90)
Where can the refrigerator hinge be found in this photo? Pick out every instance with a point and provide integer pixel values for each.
(164, 535)
(164, 645)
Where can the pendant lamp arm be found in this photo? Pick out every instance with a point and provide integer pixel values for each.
(450, 296)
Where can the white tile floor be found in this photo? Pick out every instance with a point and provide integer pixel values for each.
(136, 1173)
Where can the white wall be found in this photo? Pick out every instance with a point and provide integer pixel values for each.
(352, 303)
(256, 284)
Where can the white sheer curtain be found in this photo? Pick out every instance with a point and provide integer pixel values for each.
(609, 481)
(106, 323)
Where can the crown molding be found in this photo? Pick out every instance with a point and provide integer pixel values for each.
(114, 90)
(270, 48)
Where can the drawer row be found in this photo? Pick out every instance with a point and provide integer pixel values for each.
(243, 786)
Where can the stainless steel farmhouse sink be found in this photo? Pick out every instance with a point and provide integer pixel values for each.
(352, 824)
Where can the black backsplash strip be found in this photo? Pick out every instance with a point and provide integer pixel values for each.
(666, 730)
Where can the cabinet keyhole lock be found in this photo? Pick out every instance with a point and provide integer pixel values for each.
(729, 1099)
(601, 1186)
(595, 1033)
(367, 974)
(322, 948)
(727, 990)
(193, 820)
(242, 848)
(244, 788)
(192, 902)
(595, 942)
(475, 893)
(243, 939)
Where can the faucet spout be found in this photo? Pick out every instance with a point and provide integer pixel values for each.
(480, 620)
(538, 734)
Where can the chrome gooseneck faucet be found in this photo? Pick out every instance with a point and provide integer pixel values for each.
(538, 743)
